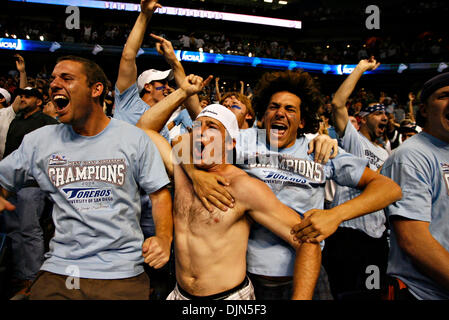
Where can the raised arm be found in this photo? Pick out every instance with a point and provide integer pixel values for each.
(165, 48)
(20, 64)
(157, 116)
(339, 111)
(217, 89)
(127, 73)
(263, 206)
(320, 224)
(242, 87)
(16, 104)
(411, 98)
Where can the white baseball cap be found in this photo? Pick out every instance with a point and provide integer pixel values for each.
(5, 94)
(224, 115)
(153, 75)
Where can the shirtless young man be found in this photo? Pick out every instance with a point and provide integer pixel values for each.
(210, 247)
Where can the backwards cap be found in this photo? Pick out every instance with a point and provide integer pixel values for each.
(5, 95)
(224, 115)
(153, 75)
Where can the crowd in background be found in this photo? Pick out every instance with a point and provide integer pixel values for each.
(421, 47)
(367, 125)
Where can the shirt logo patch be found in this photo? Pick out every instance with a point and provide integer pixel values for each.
(57, 160)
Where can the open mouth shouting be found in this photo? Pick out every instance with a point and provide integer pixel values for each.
(198, 150)
(60, 102)
(278, 129)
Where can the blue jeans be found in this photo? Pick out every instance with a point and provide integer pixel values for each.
(24, 230)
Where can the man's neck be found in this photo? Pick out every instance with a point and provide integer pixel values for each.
(434, 134)
(27, 114)
(93, 124)
(148, 100)
(364, 131)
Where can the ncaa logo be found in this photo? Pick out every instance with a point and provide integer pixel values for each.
(9, 44)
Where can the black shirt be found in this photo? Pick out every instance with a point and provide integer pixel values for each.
(20, 126)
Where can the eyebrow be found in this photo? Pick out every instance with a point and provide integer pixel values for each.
(277, 104)
(209, 122)
(64, 74)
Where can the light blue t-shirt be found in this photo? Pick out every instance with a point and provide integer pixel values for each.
(421, 168)
(298, 182)
(130, 107)
(183, 119)
(354, 142)
(94, 184)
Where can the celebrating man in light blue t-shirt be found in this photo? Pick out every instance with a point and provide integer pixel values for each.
(91, 167)
(419, 255)
(360, 242)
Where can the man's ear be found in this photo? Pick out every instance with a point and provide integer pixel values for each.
(97, 89)
(423, 110)
(302, 124)
(39, 102)
(363, 120)
(148, 87)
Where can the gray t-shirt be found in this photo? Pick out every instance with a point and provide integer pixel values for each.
(354, 142)
(298, 182)
(93, 182)
(421, 168)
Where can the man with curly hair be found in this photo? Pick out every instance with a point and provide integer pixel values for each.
(287, 103)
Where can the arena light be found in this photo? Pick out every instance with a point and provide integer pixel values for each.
(217, 58)
(174, 11)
